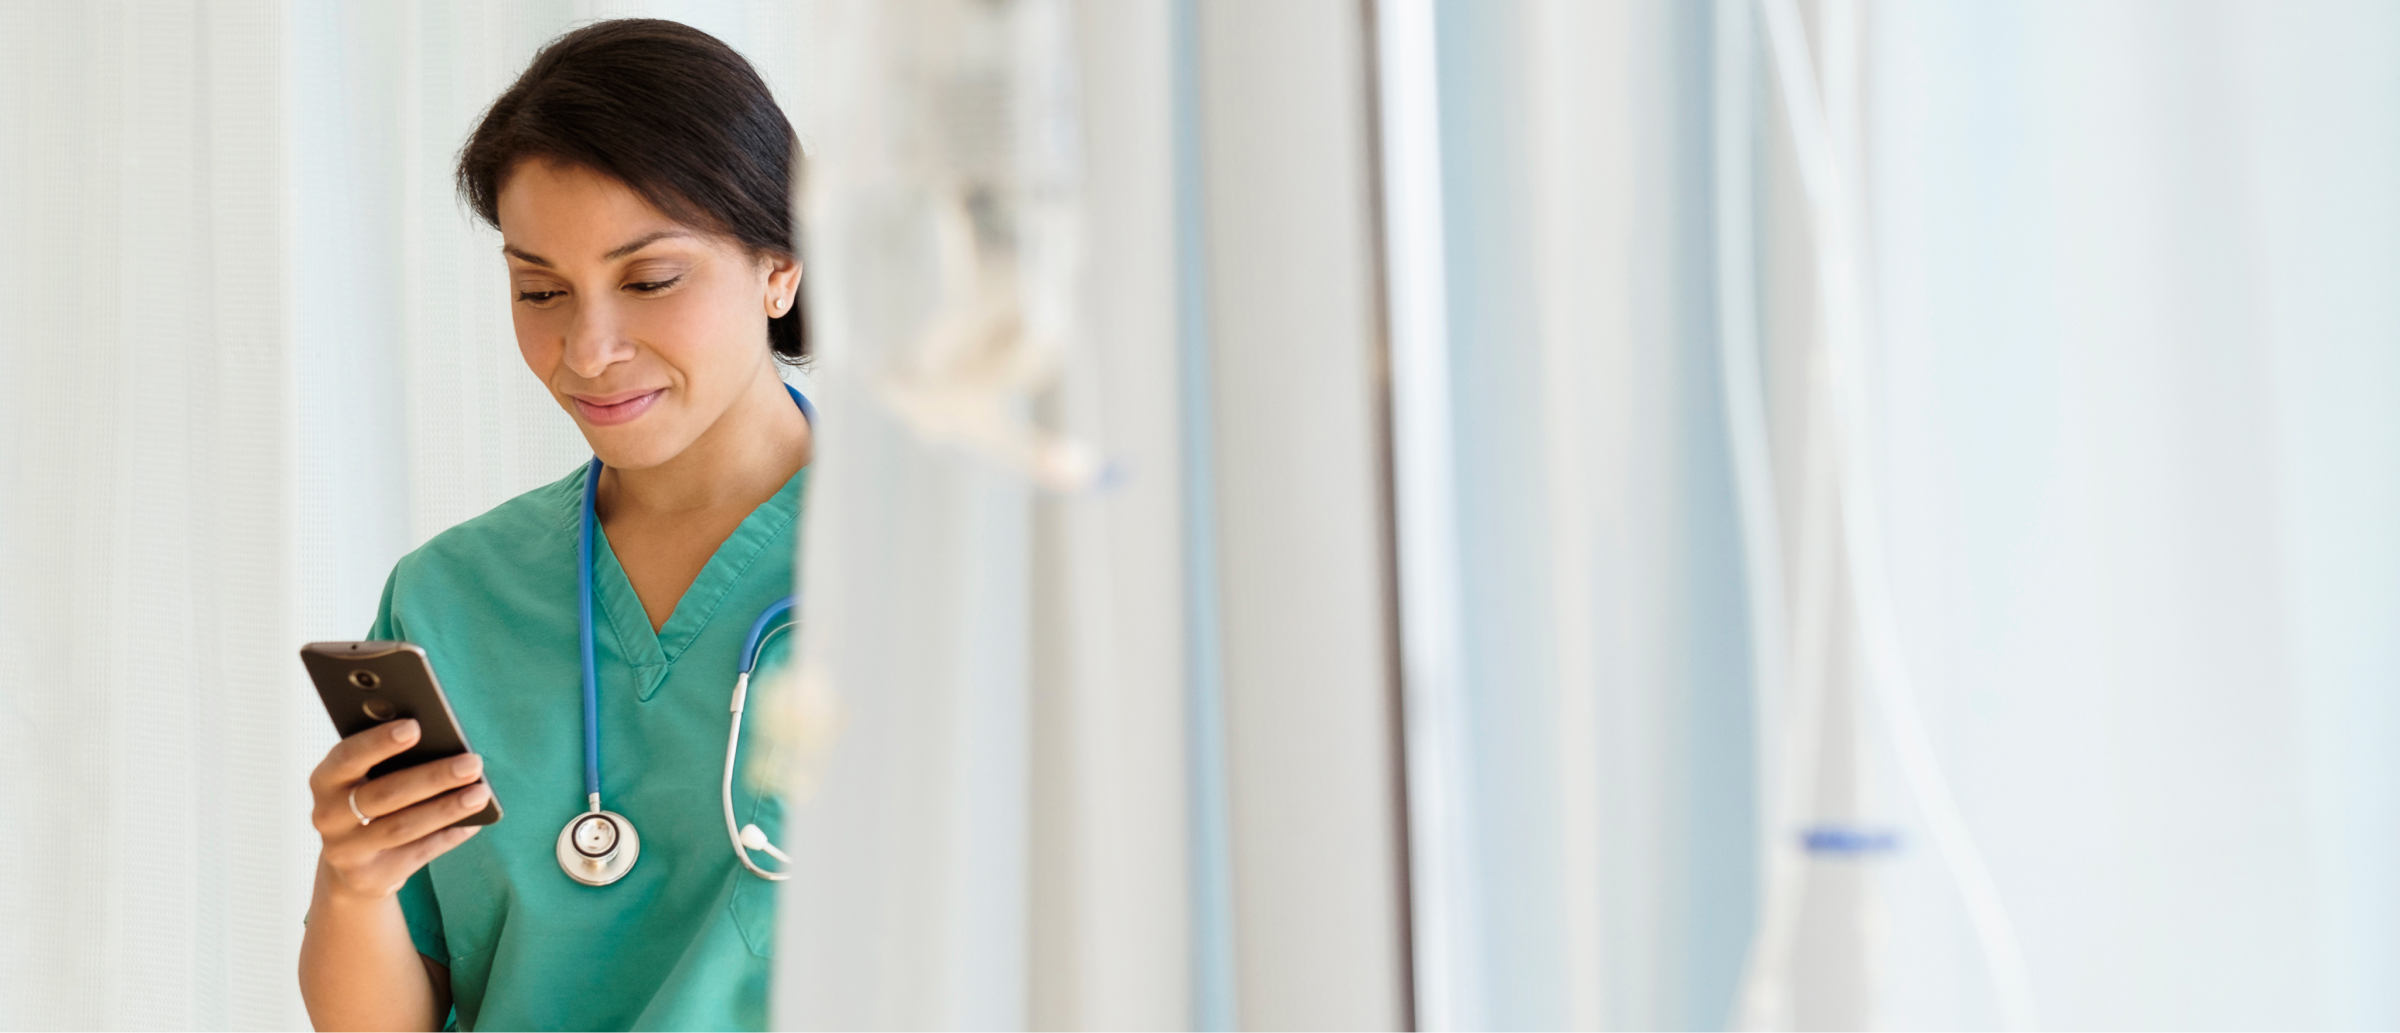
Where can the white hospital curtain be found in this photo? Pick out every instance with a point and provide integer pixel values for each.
(2126, 398)
(1604, 801)
(151, 726)
(2137, 366)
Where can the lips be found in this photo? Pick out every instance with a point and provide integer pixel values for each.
(609, 410)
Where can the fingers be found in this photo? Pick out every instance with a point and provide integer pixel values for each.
(403, 788)
(403, 827)
(405, 861)
(350, 758)
(386, 871)
(365, 855)
(411, 810)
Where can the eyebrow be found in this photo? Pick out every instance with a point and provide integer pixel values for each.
(628, 248)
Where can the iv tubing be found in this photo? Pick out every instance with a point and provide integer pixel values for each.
(1831, 212)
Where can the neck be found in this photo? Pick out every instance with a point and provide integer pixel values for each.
(742, 459)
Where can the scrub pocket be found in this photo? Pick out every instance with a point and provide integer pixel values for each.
(753, 897)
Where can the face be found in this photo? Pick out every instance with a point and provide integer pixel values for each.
(645, 330)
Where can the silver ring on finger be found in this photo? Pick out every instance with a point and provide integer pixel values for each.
(355, 812)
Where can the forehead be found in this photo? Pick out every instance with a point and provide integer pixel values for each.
(572, 212)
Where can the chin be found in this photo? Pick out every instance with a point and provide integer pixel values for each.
(633, 447)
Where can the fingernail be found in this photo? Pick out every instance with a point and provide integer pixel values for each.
(474, 798)
(466, 764)
(404, 730)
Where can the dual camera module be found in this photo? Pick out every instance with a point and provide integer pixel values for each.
(375, 707)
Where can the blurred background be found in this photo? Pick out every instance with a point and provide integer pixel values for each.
(1332, 514)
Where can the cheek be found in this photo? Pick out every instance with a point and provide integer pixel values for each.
(699, 332)
(538, 339)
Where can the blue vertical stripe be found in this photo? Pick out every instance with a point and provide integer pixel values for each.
(583, 612)
(1213, 997)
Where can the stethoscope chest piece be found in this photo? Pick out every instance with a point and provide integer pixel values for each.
(598, 847)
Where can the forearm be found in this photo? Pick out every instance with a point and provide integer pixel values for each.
(358, 967)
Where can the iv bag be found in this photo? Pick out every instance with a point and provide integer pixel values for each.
(940, 206)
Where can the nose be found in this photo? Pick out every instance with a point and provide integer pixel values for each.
(594, 340)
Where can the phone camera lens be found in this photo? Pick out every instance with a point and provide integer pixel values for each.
(380, 709)
(365, 679)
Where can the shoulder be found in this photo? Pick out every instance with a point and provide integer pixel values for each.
(534, 529)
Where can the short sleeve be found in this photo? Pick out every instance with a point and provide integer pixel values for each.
(417, 901)
(424, 913)
(387, 626)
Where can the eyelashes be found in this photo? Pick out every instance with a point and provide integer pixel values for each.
(641, 287)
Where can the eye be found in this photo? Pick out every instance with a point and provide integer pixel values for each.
(537, 297)
(652, 286)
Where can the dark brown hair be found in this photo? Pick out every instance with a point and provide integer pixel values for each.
(670, 111)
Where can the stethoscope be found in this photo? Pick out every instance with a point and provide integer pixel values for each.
(599, 845)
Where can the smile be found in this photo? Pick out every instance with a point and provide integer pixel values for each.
(615, 409)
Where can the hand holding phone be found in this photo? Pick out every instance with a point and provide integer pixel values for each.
(402, 787)
(410, 816)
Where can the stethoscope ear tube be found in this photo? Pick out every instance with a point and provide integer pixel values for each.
(733, 744)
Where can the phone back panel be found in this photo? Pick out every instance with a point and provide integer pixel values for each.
(364, 684)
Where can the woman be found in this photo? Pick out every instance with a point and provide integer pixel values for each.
(640, 176)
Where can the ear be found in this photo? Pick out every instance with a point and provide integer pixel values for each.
(783, 284)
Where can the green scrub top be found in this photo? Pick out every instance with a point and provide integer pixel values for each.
(685, 939)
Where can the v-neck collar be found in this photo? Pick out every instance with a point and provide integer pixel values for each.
(652, 654)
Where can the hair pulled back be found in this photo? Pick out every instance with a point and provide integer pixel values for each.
(670, 111)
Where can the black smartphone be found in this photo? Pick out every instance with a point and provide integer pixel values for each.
(364, 684)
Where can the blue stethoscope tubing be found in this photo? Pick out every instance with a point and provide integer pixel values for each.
(744, 840)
